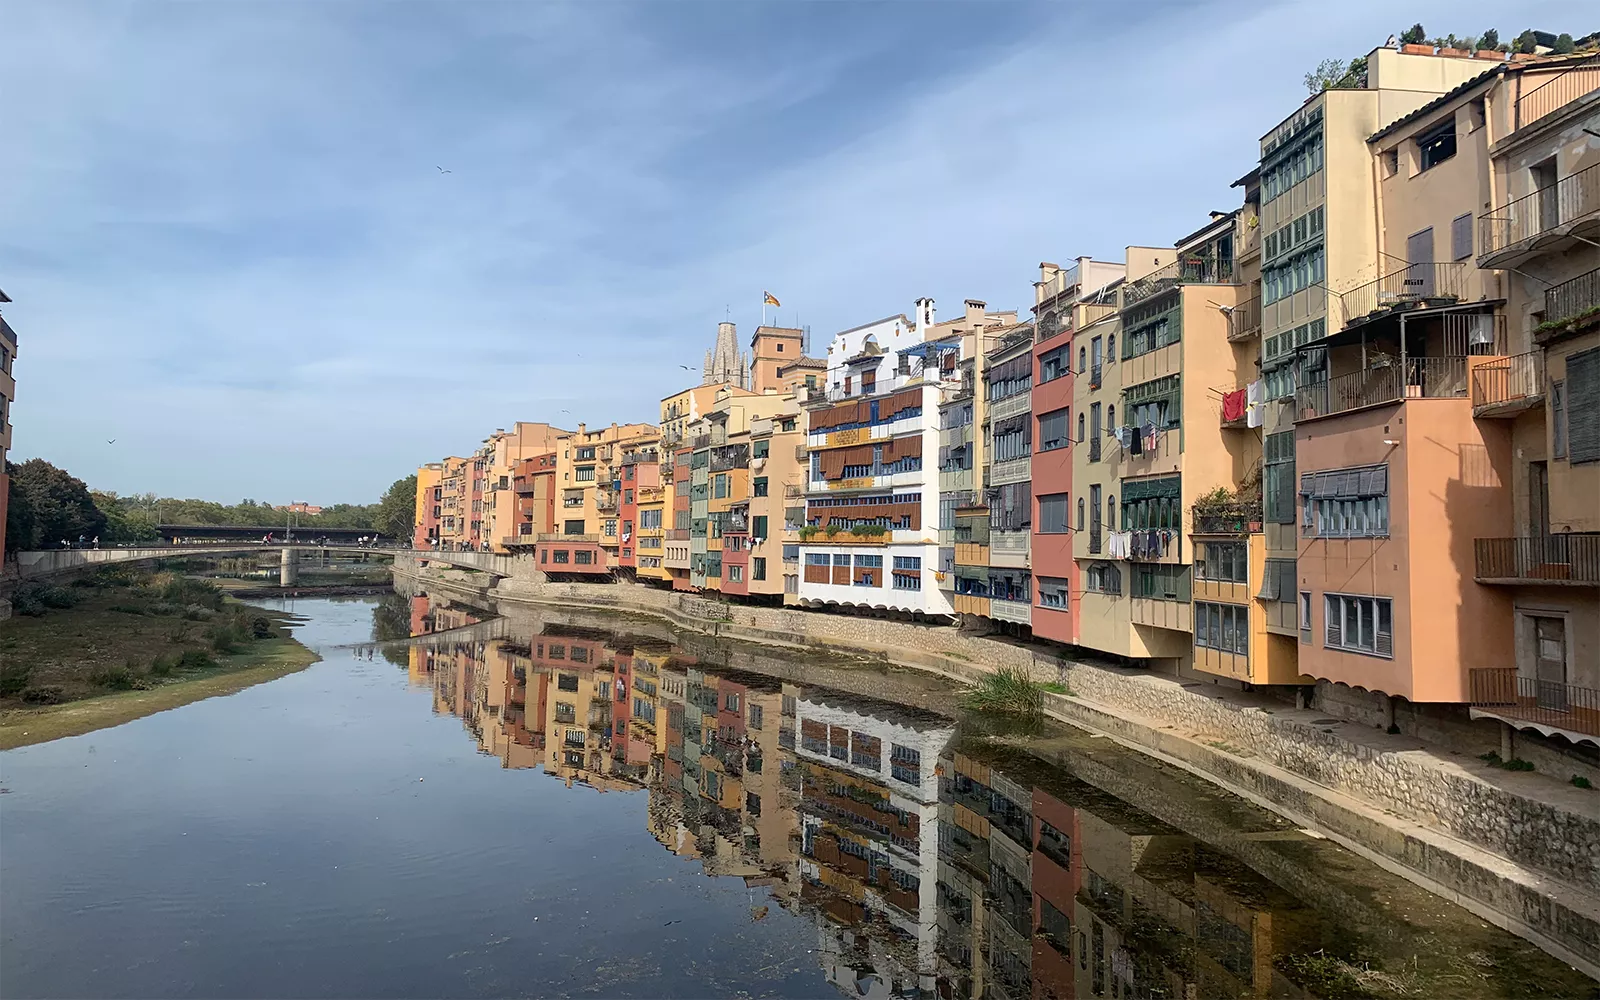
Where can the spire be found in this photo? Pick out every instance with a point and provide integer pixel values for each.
(723, 362)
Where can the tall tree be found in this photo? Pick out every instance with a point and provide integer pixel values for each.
(397, 511)
(54, 505)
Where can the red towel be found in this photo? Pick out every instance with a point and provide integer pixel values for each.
(1233, 405)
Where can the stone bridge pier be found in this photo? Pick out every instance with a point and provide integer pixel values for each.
(288, 568)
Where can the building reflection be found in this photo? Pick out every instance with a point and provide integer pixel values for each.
(929, 864)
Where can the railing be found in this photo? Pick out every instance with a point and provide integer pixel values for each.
(800, 452)
(1434, 281)
(792, 492)
(1431, 378)
(1094, 376)
(1094, 537)
(1572, 298)
(1244, 320)
(1567, 558)
(1528, 699)
(559, 537)
(1513, 382)
(1186, 270)
(677, 534)
(1228, 519)
(700, 441)
(522, 484)
(1094, 448)
(1538, 212)
(1557, 92)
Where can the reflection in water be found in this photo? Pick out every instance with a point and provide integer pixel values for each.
(937, 861)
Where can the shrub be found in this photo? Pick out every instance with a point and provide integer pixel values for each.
(58, 597)
(48, 694)
(224, 638)
(260, 628)
(868, 530)
(115, 678)
(161, 665)
(1582, 782)
(26, 602)
(1008, 691)
(13, 678)
(196, 659)
(126, 609)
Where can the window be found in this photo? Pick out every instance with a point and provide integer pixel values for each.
(1358, 624)
(1558, 418)
(1461, 237)
(1080, 427)
(1436, 145)
(610, 529)
(1053, 514)
(1277, 580)
(759, 488)
(1161, 583)
(649, 519)
(1278, 477)
(907, 573)
(1080, 513)
(1053, 430)
(1221, 562)
(758, 526)
(583, 557)
(719, 485)
(1083, 361)
(761, 449)
(1111, 348)
(1224, 627)
(1305, 611)
(561, 556)
(869, 571)
(574, 527)
(584, 474)
(1346, 503)
(1583, 412)
(735, 574)
(1102, 578)
(585, 454)
(1054, 365)
(758, 568)
(1111, 508)
(1052, 592)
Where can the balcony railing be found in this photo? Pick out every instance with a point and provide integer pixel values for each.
(677, 534)
(1408, 285)
(1557, 92)
(1508, 385)
(1572, 299)
(1501, 691)
(1539, 212)
(1192, 269)
(1244, 321)
(1095, 376)
(1566, 559)
(559, 537)
(1235, 518)
(793, 492)
(1428, 378)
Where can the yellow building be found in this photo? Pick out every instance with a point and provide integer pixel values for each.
(587, 534)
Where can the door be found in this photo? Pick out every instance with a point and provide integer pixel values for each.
(1419, 254)
(1550, 662)
(1546, 200)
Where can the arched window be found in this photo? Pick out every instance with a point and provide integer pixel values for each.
(1080, 427)
(1080, 513)
(1111, 348)
(1083, 361)
(1111, 416)
(1111, 509)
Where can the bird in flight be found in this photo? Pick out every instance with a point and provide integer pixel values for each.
(440, 169)
(111, 441)
(689, 368)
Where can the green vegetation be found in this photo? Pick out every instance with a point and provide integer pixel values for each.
(1007, 691)
(1581, 782)
(48, 506)
(162, 637)
(1514, 764)
(1056, 687)
(869, 530)
(397, 510)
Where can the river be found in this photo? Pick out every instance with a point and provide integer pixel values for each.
(555, 804)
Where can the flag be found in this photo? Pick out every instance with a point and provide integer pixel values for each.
(768, 299)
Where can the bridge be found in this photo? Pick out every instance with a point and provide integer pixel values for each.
(40, 565)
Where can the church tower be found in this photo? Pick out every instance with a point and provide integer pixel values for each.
(725, 363)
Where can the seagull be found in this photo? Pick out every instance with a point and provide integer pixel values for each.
(689, 368)
(440, 169)
(1390, 43)
(111, 441)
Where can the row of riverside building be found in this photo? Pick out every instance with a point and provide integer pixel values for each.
(1345, 433)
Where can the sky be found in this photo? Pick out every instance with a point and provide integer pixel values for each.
(239, 269)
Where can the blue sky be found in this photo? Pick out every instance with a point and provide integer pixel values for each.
(232, 251)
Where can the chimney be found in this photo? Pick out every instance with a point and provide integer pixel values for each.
(975, 308)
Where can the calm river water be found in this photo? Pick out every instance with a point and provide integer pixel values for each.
(557, 804)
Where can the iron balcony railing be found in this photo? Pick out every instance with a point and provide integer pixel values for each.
(1505, 693)
(1428, 378)
(1538, 212)
(1234, 518)
(1407, 285)
(1244, 320)
(1094, 376)
(1568, 558)
(1095, 532)
(1557, 92)
(1572, 298)
(1508, 383)
(791, 491)
(1094, 449)
(1188, 269)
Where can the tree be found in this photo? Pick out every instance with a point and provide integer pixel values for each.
(1490, 39)
(1327, 73)
(50, 505)
(1526, 43)
(1413, 35)
(1563, 44)
(125, 522)
(397, 511)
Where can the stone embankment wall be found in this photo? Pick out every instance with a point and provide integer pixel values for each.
(1529, 862)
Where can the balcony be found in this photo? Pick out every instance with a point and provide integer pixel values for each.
(1094, 448)
(1011, 470)
(1190, 269)
(1230, 517)
(1569, 559)
(1409, 286)
(1505, 387)
(1501, 693)
(1244, 321)
(522, 484)
(605, 500)
(1569, 302)
(1096, 376)
(1020, 612)
(574, 539)
(1426, 378)
(677, 534)
(1543, 221)
(1009, 549)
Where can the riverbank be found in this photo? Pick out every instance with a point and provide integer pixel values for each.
(124, 645)
(1521, 850)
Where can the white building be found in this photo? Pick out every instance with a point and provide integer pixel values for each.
(872, 493)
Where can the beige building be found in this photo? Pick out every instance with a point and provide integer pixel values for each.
(587, 536)
(505, 450)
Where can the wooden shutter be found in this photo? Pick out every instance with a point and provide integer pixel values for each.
(1583, 406)
(1333, 613)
